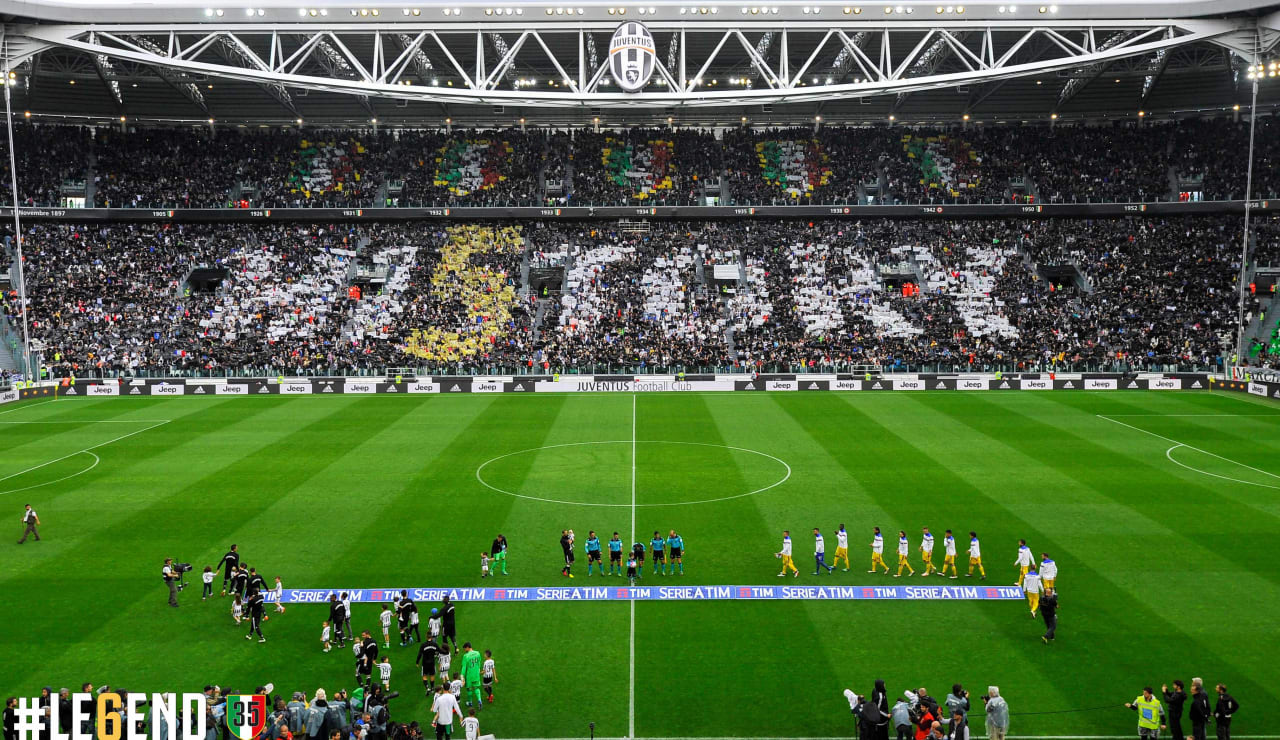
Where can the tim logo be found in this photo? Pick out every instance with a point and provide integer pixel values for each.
(246, 715)
(500, 593)
(631, 56)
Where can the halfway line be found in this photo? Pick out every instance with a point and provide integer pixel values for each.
(631, 683)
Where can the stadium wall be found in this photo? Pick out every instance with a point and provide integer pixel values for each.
(255, 386)
(258, 215)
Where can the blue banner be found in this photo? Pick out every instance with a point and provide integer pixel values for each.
(663, 593)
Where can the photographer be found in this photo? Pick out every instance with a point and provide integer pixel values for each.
(171, 577)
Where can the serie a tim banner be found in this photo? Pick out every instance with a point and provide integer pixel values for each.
(139, 716)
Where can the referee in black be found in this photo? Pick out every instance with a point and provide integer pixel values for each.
(254, 606)
(230, 562)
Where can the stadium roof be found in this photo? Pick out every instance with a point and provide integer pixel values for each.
(716, 63)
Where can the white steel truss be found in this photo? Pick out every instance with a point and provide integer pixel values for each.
(760, 62)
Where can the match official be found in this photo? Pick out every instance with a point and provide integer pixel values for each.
(170, 580)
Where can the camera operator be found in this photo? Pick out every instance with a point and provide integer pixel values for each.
(171, 577)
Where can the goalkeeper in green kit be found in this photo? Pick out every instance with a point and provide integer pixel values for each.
(498, 552)
(471, 661)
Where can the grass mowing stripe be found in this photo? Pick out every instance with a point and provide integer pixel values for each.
(1112, 608)
(1067, 443)
(887, 463)
(75, 512)
(165, 526)
(707, 640)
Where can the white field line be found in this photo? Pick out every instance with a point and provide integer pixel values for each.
(28, 406)
(105, 421)
(1184, 444)
(631, 682)
(79, 452)
(1192, 416)
(1169, 454)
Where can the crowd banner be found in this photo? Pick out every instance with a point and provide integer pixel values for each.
(660, 593)
(829, 382)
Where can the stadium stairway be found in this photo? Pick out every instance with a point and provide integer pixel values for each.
(90, 177)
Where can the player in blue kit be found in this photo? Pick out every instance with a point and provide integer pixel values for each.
(615, 555)
(593, 552)
(658, 545)
(675, 548)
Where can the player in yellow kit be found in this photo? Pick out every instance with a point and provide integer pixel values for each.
(842, 548)
(1032, 588)
(926, 553)
(785, 554)
(903, 548)
(877, 553)
(949, 545)
(975, 557)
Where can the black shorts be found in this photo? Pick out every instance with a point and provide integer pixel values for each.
(486, 680)
(676, 553)
(593, 557)
(631, 572)
(568, 558)
(657, 555)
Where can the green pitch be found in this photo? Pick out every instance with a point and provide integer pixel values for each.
(1167, 556)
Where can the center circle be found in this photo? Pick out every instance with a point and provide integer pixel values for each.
(658, 473)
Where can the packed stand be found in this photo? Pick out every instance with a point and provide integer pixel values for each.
(1099, 164)
(47, 156)
(634, 299)
(642, 166)
(472, 168)
(468, 313)
(166, 168)
(954, 293)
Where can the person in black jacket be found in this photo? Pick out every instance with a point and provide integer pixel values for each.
(1173, 701)
(1227, 706)
(880, 698)
(336, 614)
(255, 609)
(1049, 612)
(1199, 713)
(449, 630)
(427, 653)
(231, 561)
(10, 720)
(368, 656)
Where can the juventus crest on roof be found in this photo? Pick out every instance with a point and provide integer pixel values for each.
(632, 56)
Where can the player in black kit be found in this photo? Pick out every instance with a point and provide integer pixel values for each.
(427, 654)
(254, 607)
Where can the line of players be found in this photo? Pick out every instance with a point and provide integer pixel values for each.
(667, 554)
(1028, 577)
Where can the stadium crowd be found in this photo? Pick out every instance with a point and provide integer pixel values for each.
(288, 167)
(950, 294)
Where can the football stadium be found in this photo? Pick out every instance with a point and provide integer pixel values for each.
(674, 371)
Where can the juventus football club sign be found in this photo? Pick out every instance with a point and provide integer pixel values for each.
(632, 56)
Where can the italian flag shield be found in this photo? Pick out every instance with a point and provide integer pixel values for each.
(246, 715)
